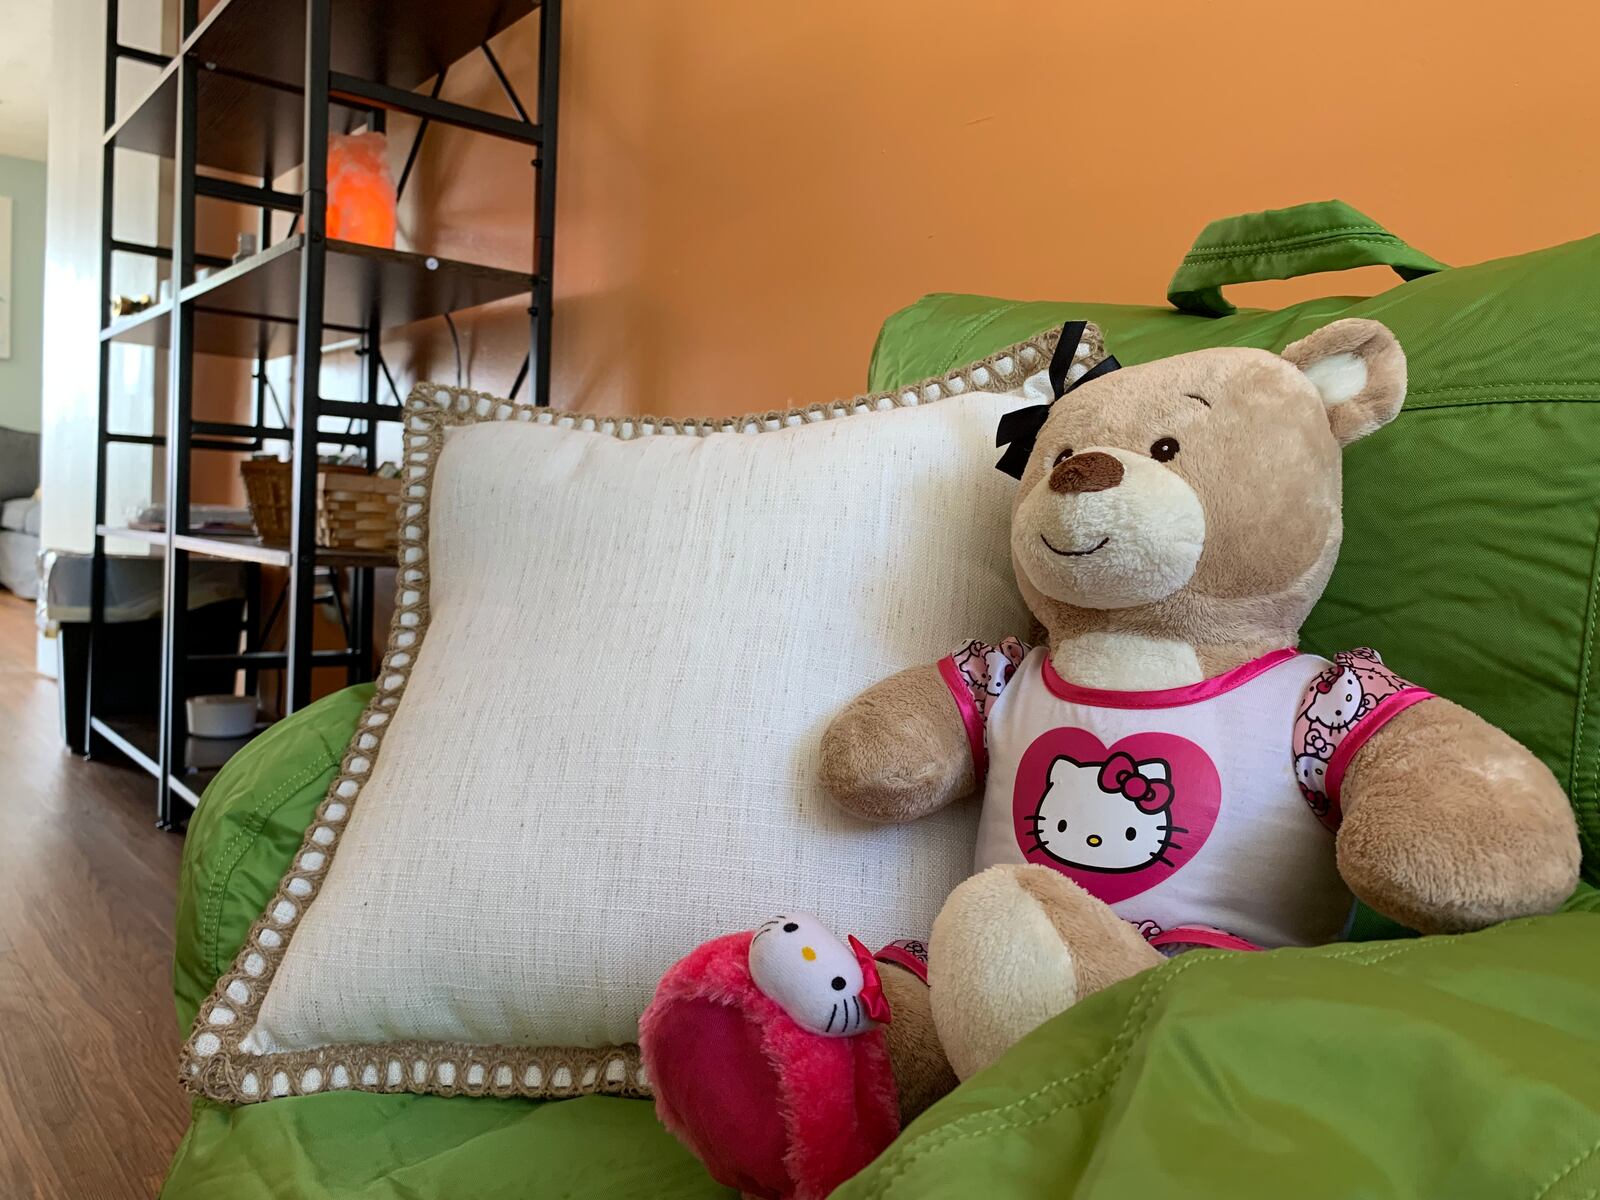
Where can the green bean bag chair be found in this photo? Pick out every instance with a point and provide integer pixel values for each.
(1463, 1067)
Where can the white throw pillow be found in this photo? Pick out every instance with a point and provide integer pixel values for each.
(593, 741)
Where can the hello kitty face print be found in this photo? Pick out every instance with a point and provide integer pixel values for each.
(986, 669)
(1118, 819)
(1114, 815)
(1337, 698)
(1344, 706)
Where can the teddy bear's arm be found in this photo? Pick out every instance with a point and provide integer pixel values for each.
(1450, 824)
(899, 750)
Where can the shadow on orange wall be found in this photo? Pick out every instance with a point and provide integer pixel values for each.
(747, 190)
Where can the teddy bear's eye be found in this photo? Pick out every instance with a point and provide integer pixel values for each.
(1164, 450)
(1065, 454)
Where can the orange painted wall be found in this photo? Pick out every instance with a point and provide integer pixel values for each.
(747, 189)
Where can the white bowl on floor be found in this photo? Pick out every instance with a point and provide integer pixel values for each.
(221, 716)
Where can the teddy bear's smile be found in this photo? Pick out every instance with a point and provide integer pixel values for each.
(1113, 545)
(1073, 553)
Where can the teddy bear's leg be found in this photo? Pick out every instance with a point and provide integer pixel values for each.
(1012, 947)
(921, 1072)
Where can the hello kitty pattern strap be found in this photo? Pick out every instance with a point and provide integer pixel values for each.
(1343, 707)
(976, 674)
(1172, 942)
(910, 953)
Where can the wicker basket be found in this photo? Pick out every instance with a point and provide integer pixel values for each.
(355, 511)
(269, 486)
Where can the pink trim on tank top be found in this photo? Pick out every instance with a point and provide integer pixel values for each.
(1192, 693)
(971, 718)
(1188, 935)
(897, 954)
(1382, 713)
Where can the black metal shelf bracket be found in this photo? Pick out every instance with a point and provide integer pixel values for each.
(243, 193)
(347, 89)
(544, 221)
(416, 138)
(505, 84)
(148, 57)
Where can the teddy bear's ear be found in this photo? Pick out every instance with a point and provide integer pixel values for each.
(1359, 370)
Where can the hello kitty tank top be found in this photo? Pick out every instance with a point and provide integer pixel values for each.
(1202, 814)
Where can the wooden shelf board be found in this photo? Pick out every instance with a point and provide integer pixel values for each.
(252, 307)
(240, 548)
(204, 759)
(226, 334)
(147, 327)
(151, 537)
(136, 737)
(237, 548)
(401, 43)
(189, 788)
(252, 55)
(396, 286)
(139, 739)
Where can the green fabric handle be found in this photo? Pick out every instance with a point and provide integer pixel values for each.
(1283, 243)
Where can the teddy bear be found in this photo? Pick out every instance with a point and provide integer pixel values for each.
(1161, 770)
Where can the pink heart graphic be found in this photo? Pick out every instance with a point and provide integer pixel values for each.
(1098, 799)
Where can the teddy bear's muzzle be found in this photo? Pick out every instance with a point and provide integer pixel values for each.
(1109, 528)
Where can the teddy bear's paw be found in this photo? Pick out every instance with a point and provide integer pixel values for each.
(1012, 947)
(1450, 825)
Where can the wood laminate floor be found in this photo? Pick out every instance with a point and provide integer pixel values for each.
(89, 1102)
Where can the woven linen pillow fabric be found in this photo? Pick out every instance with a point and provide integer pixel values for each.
(593, 739)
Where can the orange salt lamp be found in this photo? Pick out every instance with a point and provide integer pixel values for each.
(361, 196)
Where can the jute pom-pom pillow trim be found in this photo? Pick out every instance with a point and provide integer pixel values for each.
(215, 1062)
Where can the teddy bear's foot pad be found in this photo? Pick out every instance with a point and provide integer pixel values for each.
(1014, 946)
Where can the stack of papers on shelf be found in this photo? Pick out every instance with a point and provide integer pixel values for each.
(203, 518)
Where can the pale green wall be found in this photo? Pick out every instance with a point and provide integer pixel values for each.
(20, 392)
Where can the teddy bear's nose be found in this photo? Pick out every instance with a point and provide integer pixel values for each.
(1094, 471)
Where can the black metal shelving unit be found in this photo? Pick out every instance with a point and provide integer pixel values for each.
(252, 91)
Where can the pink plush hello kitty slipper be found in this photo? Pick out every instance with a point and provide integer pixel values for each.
(767, 1056)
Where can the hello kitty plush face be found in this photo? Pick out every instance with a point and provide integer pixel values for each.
(826, 985)
(1114, 815)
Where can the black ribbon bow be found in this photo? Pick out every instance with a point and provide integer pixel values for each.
(1019, 430)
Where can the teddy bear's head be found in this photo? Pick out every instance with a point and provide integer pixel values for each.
(1196, 498)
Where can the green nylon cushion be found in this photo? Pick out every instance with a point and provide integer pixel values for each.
(1459, 1067)
(348, 1145)
(1471, 522)
(242, 836)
